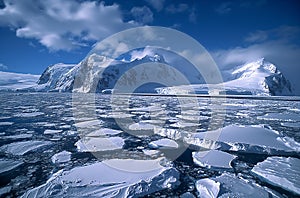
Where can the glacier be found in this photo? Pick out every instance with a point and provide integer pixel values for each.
(16, 81)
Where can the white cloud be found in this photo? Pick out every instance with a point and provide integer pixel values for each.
(156, 4)
(139, 54)
(3, 67)
(143, 15)
(62, 24)
(224, 8)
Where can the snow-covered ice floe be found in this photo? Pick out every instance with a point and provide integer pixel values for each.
(110, 178)
(229, 185)
(95, 144)
(104, 132)
(213, 159)
(280, 171)
(21, 148)
(251, 139)
(61, 157)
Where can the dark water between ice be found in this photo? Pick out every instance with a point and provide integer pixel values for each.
(48, 120)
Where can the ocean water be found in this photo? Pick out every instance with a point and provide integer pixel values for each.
(43, 135)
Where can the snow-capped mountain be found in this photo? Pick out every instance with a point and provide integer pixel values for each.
(15, 81)
(255, 78)
(50, 77)
(260, 76)
(96, 73)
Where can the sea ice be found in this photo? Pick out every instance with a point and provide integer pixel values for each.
(207, 188)
(16, 137)
(21, 148)
(89, 124)
(9, 165)
(294, 117)
(229, 185)
(234, 135)
(291, 124)
(6, 123)
(28, 115)
(141, 126)
(94, 144)
(110, 178)
(61, 157)
(163, 143)
(169, 133)
(50, 131)
(280, 171)
(213, 159)
(104, 132)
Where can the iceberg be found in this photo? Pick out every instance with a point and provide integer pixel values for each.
(110, 178)
(280, 171)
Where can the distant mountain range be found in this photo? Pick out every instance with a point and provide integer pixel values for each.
(97, 73)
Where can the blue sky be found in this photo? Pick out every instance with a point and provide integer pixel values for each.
(38, 33)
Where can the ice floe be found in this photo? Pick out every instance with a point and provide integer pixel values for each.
(280, 171)
(163, 143)
(229, 185)
(110, 178)
(181, 124)
(95, 144)
(244, 138)
(51, 131)
(213, 159)
(281, 116)
(61, 157)
(104, 132)
(89, 124)
(16, 137)
(169, 133)
(21, 148)
(141, 126)
(207, 188)
(28, 115)
(6, 123)
(291, 124)
(7, 165)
